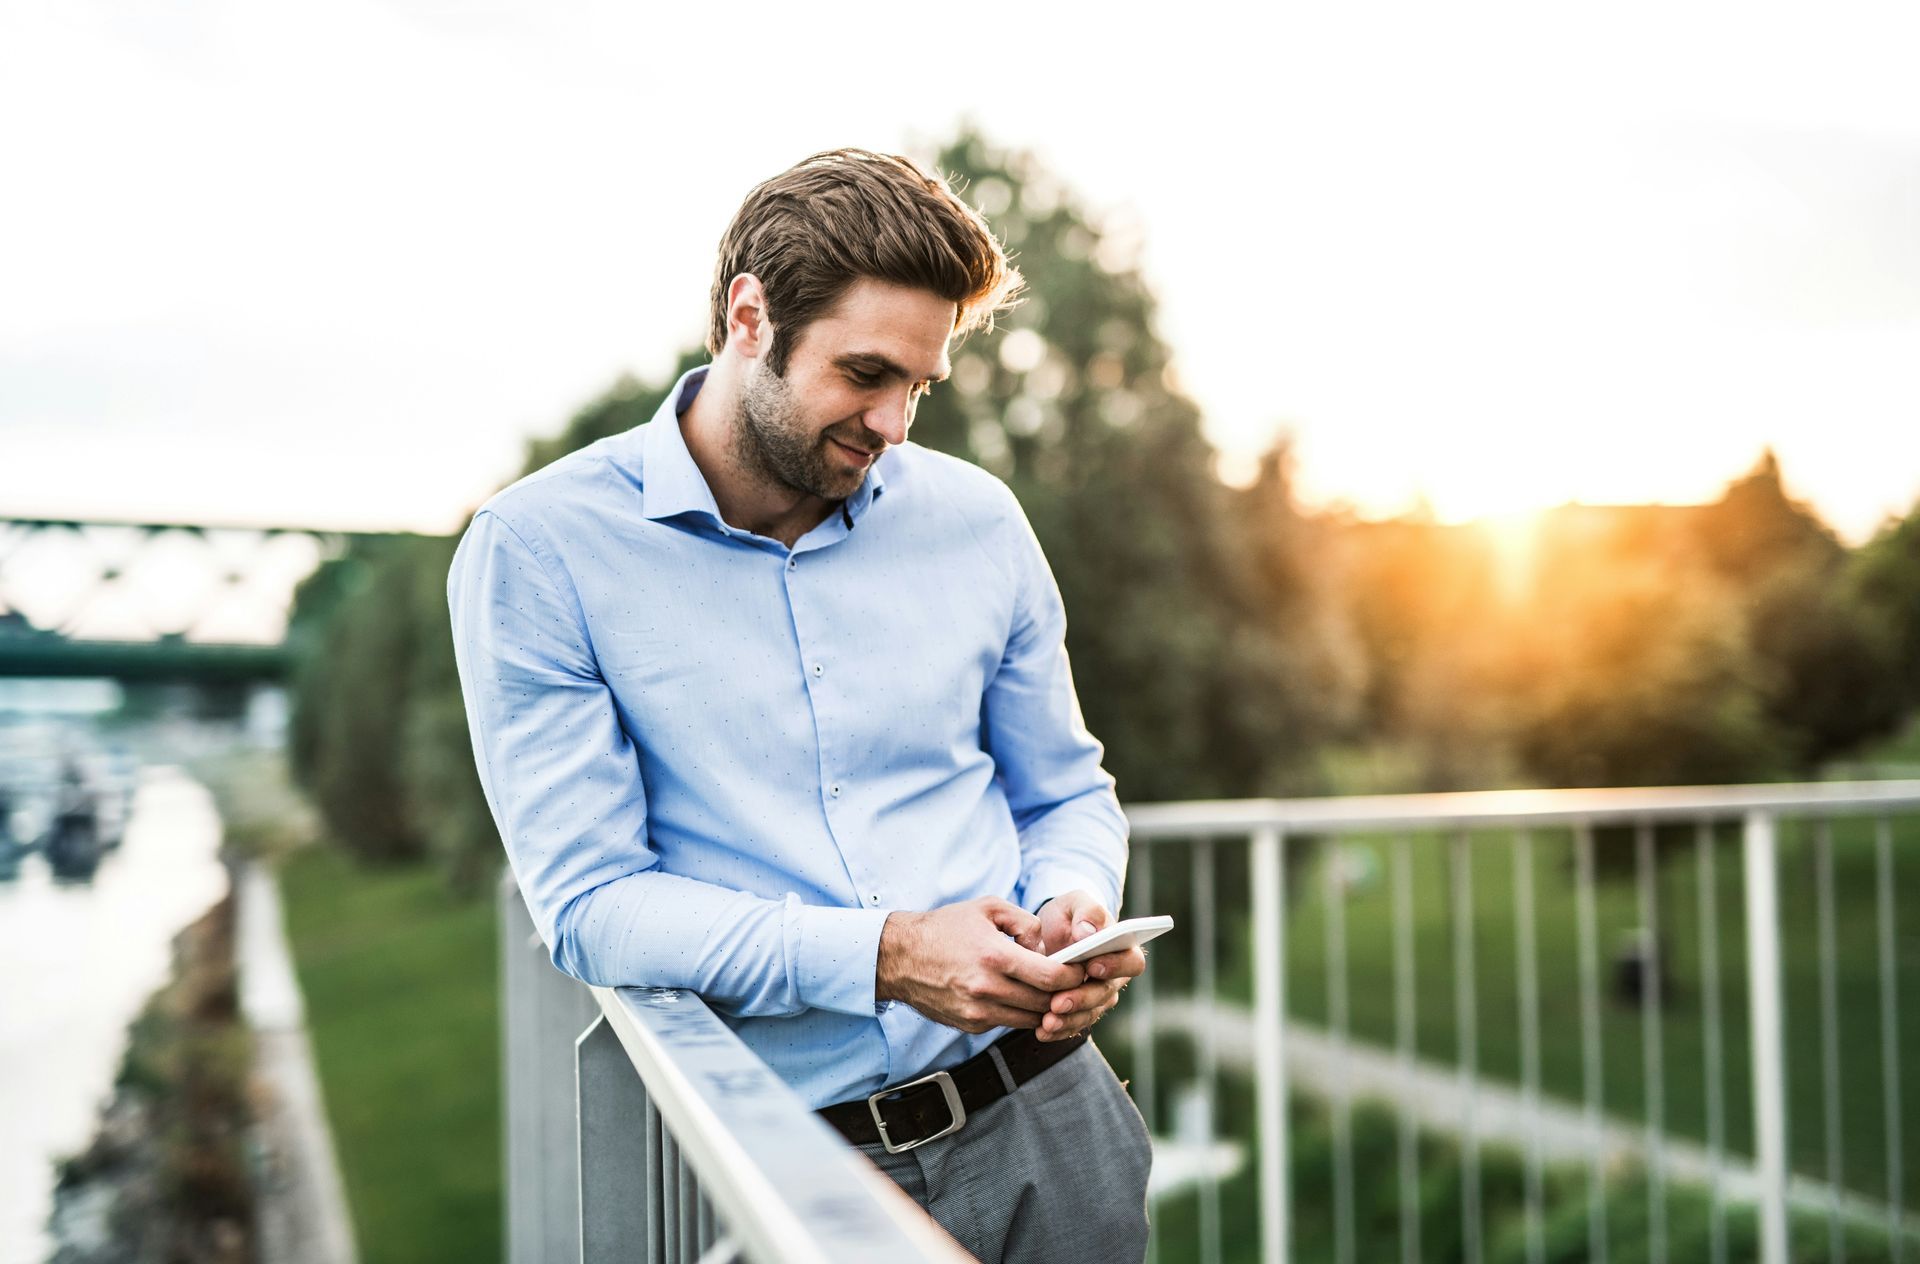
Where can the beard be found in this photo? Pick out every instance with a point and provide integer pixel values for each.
(773, 439)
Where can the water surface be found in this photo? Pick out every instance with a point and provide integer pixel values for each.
(77, 963)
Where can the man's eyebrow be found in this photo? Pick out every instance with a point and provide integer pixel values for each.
(873, 361)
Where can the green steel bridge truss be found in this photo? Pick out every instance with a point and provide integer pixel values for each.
(146, 601)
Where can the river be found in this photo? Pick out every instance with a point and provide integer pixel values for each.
(77, 963)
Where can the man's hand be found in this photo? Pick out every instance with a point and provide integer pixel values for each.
(956, 965)
(1066, 919)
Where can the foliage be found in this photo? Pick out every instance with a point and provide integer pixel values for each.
(1641, 682)
(1183, 670)
(1886, 579)
(1630, 645)
(351, 696)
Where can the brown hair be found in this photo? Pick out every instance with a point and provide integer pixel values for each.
(811, 231)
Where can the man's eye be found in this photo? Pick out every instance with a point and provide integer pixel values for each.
(861, 379)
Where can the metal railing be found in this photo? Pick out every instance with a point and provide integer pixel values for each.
(1449, 921)
(640, 1127)
(638, 1124)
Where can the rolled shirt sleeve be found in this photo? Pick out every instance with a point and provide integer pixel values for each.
(1073, 833)
(563, 780)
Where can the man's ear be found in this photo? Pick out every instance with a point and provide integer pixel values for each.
(748, 329)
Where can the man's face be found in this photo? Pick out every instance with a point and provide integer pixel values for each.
(853, 380)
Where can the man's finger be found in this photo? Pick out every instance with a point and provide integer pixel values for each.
(1011, 991)
(1079, 1000)
(1061, 1026)
(1126, 964)
(1016, 921)
(1008, 1016)
(1049, 976)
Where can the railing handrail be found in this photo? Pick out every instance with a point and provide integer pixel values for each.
(1206, 818)
(787, 1186)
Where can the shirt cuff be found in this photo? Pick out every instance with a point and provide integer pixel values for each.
(836, 956)
(1048, 882)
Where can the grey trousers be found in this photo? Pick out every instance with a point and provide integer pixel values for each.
(1055, 1172)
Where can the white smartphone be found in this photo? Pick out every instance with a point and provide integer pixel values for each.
(1115, 938)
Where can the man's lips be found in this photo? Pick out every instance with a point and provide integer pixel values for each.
(863, 455)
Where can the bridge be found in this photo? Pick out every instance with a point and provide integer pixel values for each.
(154, 601)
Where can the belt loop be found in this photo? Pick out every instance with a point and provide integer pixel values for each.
(1000, 1063)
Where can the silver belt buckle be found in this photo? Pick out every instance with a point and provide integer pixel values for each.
(947, 1090)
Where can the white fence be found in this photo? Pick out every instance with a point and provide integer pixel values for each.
(1458, 1098)
(638, 1125)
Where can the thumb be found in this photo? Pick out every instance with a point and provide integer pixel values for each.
(1089, 915)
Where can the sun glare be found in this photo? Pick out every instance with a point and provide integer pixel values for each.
(1514, 536)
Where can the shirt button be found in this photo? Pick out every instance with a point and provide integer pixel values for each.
(834, 791)
(792, 562)
(818, 669)
(873, 899)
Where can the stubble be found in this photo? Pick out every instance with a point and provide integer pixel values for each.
(772, 440)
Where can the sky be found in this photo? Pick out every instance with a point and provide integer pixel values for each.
(331, 262)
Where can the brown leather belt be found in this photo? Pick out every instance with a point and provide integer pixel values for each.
(936, 1105)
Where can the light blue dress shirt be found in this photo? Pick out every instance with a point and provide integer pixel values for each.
(717, 763)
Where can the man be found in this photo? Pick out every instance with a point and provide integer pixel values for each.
(773, 705)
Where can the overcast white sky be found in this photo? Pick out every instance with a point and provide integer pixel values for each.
(331, 261)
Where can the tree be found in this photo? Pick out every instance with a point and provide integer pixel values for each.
(1184, 666)
(360, 641)
(1885, 581)
(1640, 681)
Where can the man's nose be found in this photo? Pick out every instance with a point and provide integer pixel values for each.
(892, 414)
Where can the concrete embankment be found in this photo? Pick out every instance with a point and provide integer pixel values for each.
(302, 1205)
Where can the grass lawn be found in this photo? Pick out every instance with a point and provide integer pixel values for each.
(1370, 965)
(402, 1001)
(1503, 1228)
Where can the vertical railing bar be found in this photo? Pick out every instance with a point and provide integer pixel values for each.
(1467, 1030)
(1829, 1034)
(1404, 1018)
(670, 1197)
(1140, 1005)
(1204, 983)
(611, 1148)
(1767, 1030)
(689, 1212)
(1709, 902)
(1652, 966)
(1590, 1048)
(1889, 1032)
(1333, 890)
(709, 1225)
(1269, 875)
(656, 1185)
(1526, 949)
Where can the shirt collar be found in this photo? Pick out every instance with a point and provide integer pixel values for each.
(672, 484)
